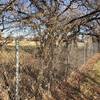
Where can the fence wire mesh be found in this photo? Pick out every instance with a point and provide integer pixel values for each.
(35, 77)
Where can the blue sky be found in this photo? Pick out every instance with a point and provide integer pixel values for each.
(25, 30)
(21, 30)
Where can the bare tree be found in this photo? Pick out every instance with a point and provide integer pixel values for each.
(58, 25)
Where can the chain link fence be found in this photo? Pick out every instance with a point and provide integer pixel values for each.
(22, 72)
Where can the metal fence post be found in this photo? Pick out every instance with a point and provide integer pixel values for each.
(17, 68)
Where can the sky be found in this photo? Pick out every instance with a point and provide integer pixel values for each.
(25, 30)
(21, 30)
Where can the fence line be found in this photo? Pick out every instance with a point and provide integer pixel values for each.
(12, 58)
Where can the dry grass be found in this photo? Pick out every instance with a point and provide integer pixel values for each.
(8, 56)
(90, 63)
(80, 84)
(24, 43)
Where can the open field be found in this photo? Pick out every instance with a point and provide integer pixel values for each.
(24, 43)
